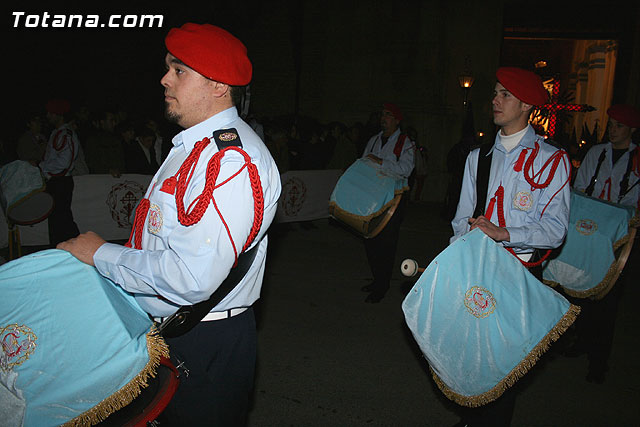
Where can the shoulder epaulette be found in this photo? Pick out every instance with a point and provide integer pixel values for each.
(227, 138)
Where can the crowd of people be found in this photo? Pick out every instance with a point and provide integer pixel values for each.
(114, 142)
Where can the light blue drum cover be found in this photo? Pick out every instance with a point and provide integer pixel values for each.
(18, 180)
(586, 262)
(481, 319)
(75, 347)
(364, 189)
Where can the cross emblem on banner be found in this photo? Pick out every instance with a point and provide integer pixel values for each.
(555, 106)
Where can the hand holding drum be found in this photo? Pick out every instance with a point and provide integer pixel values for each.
(410, 267)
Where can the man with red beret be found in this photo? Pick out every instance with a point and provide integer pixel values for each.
(516, 191)
(611, 171)
(200, 229)
(394, 151)
(57, 165)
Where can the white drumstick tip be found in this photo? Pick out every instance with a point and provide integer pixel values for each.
(409, 267)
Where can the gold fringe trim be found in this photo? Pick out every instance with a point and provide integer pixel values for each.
(157, 349)
(606, 284)
(516, 373)
(635, 221)
(364, 218)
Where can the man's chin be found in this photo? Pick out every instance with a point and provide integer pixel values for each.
(172, 116)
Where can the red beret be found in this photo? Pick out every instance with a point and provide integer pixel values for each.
(625, 114)
(58, 106)
(393, 109)
(525, 85)
(212, 52)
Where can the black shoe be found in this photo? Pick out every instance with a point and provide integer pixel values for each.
(575, 350)
(374, 297)
(367, 288)
(596, 377)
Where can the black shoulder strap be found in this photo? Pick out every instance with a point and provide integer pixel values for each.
(624, 184)
(188, 316)
(482, 178)
(594, 178)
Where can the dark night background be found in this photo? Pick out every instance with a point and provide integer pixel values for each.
(330, 60)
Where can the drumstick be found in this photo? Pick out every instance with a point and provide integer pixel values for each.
(410, 267)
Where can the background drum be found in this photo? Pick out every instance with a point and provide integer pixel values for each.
(23, 199)
(595, 251)
(365, 198)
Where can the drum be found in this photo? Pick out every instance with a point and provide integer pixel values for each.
(366, 197)
(482, 319)
(76, 348)
(596, 248)
(23, 199)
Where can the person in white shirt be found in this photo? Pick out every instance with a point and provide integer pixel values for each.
(207, 208)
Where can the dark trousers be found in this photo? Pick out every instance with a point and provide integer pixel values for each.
(61, 224)
(595, 326)
(381, 250)
(220, 356)
(499, 412)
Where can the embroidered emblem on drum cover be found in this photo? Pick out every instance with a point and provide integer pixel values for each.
(479, 302)
(294, 193)
(18, 343)
(122, 201)
(523, 201)
(227, 136)
(586, 226)
(154, 225)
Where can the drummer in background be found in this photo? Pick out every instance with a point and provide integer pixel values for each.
(534, 219)
(180, 258)
(57, 166)
(610, 172)
(394, 151)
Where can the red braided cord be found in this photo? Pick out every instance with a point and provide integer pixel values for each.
(138, 224)
(202, 201)
(556, 157)
(183, 177)
(502, 223)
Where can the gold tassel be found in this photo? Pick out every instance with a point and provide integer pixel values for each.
(516, 373)
(157, 348)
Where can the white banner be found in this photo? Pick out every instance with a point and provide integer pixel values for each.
(305, 194)
(100, 203)
(105, 204)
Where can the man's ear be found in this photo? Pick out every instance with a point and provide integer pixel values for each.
(527, 107)
(220, 89)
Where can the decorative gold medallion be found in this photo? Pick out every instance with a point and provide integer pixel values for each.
(154, 224)
(227, 136)
(18, 343)
(523, 201)
(479, 302)
(586, 226)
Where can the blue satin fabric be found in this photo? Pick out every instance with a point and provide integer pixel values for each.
(468, 352)
(365, 188)
(594, 226)
(18, 179)
(90, 334)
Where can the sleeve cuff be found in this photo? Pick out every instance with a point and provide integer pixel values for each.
(105, 259)
(516, 237)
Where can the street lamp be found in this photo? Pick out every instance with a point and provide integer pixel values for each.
(466, 82)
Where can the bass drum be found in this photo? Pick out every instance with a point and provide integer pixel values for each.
(365, 198)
